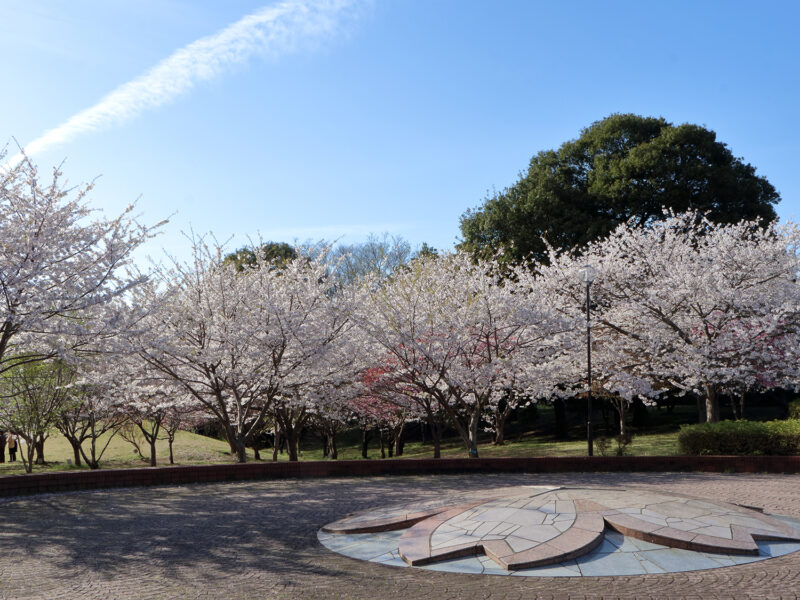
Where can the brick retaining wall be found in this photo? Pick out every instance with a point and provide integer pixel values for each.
(14, 485)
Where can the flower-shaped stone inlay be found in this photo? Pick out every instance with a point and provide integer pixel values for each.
(524, 527)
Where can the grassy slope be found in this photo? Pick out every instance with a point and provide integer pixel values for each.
(644, 445)
(530, 435)
(530, 439)
(190, 448)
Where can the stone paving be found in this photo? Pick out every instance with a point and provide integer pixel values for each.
(564, 532)
(617, 555)
(259, 540)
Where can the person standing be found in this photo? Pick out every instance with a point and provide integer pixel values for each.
(12, 447)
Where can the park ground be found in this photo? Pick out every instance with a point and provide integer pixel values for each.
(528, 436)
(523, 440)
(258, 540)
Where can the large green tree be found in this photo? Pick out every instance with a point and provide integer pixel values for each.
(623, 167)
(274, 252)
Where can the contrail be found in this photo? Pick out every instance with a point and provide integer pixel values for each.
(270, 31)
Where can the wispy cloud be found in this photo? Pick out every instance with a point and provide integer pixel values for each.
(271, 31)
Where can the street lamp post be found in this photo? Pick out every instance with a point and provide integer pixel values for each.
(587, 273)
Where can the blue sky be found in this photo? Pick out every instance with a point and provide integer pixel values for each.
(391, 115)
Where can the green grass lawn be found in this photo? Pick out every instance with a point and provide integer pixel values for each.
(189, 448)
(192, 449)
(656, 444)
(530, 433)
(643, 445)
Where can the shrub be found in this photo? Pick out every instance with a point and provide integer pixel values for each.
(794, 409)
(741, 437)
(603, 445)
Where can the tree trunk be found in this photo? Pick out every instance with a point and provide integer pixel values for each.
(464, 429)
(737, 402)
(2, 446)
(474, 421)
(30, 450)
(499, 429)
(390, 443)
(621, 406)
(241, 454)
(291, 435)
(398, 440)
(436, 438)
(171, 457)
(712, 404)
(701, 410)
(91, 460)
(333, 452)
(40, 451)
(326, 445)
(276, 443)
(231, 436)
(232, 444)
(152, 443)
(504, 408)
(241, 448)
(364, 442)
(383, 450)
(76, 450)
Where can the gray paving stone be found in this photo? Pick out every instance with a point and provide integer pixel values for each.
(673, 559)
(462, 565)
(606, 564)
(258, 540)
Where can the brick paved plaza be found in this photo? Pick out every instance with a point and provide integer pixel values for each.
(258, 540)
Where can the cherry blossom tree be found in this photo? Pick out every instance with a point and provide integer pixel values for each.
(337, 417)
(248, 343)
(462, 336)
(95, 413)
(32, 398)
(150, 402)
(63, 275)
(390, 382)
(181, 415)
(686, 304)
(383, 405)
(60, 267)
(497, 413)
(317, 386)
(201, 336)
(319, 354)
(337, 411)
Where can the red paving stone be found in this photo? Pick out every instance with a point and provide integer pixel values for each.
(527, 521)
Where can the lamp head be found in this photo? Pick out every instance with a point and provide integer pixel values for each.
(587, 274)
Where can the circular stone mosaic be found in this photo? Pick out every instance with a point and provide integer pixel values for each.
(554, 531)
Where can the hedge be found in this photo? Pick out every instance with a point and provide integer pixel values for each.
(741, 438)
(794, 409)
